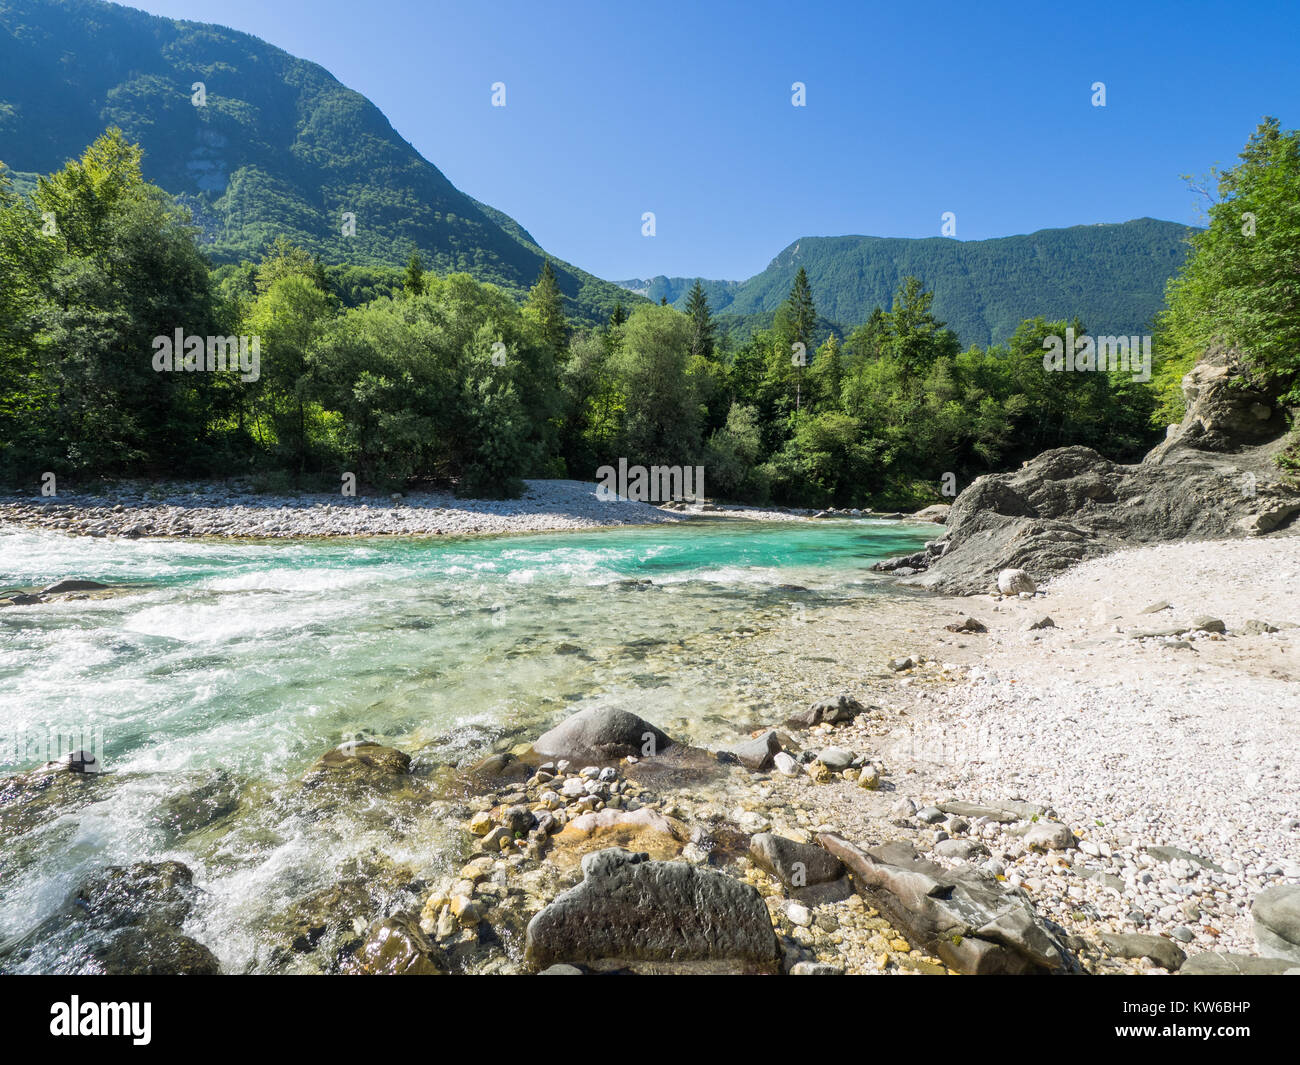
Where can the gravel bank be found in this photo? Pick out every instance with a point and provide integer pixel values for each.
(181, 509)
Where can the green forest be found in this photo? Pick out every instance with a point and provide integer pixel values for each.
(409, 376)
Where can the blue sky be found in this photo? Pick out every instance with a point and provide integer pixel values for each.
(684, 109)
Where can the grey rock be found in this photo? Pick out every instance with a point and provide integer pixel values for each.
(786, 765)
(796, 865)
(1208, 624)
(835, 711)
(1233, 965)
(900, 664)
(903, 808)
(630, 912)
(815, 968)
(73, 586)
(1015, 581)
(959, 915)
(1004, 812)
(1046, 835)
(961, 849)
(1276, 911)
(1139, 945)
(929, 815)
(152, 893)
(836, 758)
(601, 735)
(1170, 854)
(758, 754)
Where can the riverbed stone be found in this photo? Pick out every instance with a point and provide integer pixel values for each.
(1140, 945)
(960, 915)
(837, 711)
(1015, 581)
(1046, 835)
(835, 758)
(361, 760)
(153, 893)
(1216, 964)
(1277, 922)
(395, 946)
(602, 735)
(757, 754)
(154, 952)
(630, 912)
(73, 585)
(796, 865)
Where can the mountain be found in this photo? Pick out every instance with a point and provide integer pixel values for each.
(1112, 276)
(279, 147)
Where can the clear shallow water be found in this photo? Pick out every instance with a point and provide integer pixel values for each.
(251, 659)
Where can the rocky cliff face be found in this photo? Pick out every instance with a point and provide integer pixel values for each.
(1213, 477)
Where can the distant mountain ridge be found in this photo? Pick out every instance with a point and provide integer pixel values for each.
(280, 147)
(1111, 275)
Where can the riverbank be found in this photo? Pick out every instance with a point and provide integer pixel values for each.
(136, 509)
(1123, 768)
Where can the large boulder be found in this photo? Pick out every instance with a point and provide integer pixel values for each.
(1277, 922)
(657, 917)
(601, 735)
(960, 915)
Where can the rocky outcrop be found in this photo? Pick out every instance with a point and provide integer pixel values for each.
(1226, 414)
(960, 915)
(1071, 504)
(1212, 478)
(655, 917)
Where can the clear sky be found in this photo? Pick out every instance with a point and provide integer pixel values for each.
(684, 109)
